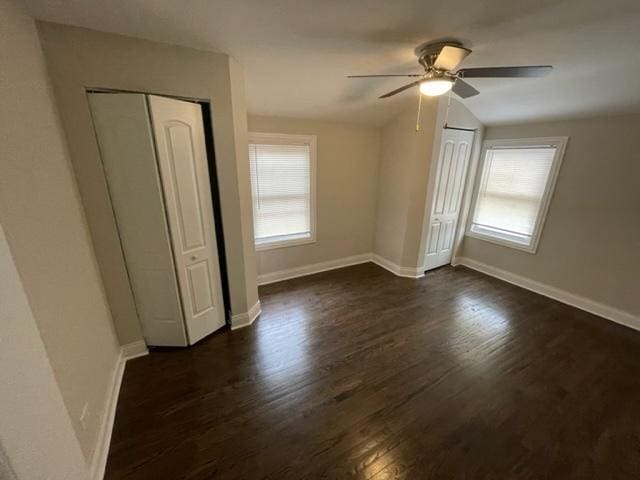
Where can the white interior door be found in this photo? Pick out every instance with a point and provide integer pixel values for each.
(123, 129)
(451, 173)
(180, 146)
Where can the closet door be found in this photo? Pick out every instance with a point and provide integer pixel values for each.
(123, 129)
(182, 159)
(451, 174)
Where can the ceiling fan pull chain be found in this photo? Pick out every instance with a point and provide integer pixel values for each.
(419, 109)
(446, 114)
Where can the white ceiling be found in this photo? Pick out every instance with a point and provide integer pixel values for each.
(296, 53)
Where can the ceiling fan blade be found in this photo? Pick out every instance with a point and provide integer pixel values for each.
(450, 57)
(401, 89)
(388, 75)
(506, 72)
(463, 89)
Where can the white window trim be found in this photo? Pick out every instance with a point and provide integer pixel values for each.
(560, 143)
(291, 139)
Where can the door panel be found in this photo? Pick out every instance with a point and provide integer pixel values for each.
(443, 177)
(459, 177)
(123, 130)
(200, 287)
(450, 179)
(451, 174)
(185, 183)
(184, 172)
(447, 236)
(433, 238)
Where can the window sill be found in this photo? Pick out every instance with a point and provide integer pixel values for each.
(505, 243)
(285, 242)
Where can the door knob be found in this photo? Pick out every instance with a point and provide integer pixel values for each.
(194, 257)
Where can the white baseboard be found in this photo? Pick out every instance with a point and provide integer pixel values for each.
(134, 350)
(313, 268)
(241, 320)
(605, 311)
(408, 272)
(101, 452)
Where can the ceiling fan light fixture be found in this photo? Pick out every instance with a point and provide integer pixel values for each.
(432, 87)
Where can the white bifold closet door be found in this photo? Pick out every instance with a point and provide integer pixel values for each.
(182, 157)
(451, 175)
(155, 162)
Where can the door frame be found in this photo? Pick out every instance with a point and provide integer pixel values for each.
(207, 114)
(467, 193)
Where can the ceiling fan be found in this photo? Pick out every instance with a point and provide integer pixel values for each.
(440, 59)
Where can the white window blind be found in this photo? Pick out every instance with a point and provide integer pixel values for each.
(512, 193)
(282, 190)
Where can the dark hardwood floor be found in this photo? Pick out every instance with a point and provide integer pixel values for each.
(356, 373)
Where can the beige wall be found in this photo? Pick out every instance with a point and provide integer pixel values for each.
(402, 186)
(590, 244)
(80, 58)
(36, 436)
(347, 173)
(43, 221)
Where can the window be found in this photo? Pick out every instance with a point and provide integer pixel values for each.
(282, 171)
(513, 193)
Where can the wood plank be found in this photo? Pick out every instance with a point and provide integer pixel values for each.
(357, 373)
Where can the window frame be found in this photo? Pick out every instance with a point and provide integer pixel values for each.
(289, 139)
(560, 143)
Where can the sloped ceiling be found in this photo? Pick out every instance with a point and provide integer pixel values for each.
(296, 53)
